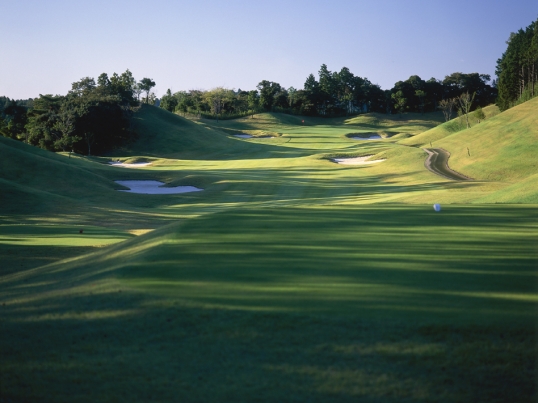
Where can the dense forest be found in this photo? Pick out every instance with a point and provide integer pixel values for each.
(517, 69)
(95, 116)
(92, 117)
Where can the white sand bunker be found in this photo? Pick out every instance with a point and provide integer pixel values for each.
(243, 136)
(356, 161)
(155, 187)
(372, 137)
(133, 165)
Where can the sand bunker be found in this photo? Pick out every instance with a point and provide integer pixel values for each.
(356, 161)
(372, 137)
(155, 187)
(133, 165)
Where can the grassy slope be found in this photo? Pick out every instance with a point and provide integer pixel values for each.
(503, 148)
(39, 178)
(425, 138)
(274, 288)
(164, 134)
(524, 191)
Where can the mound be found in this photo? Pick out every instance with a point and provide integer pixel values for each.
(29, 174)
(164, 134)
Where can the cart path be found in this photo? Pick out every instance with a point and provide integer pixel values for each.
(437, 162)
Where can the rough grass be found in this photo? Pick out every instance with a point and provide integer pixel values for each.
(429, 138)
(502, 148)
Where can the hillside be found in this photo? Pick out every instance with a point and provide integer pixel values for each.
(164, 134)
(35, 180)
(503, 148)
(431, 136)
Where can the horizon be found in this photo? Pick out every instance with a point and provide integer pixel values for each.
(208, 44)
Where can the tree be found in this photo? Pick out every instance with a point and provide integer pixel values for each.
(434, 93)
(407, 89)
(124, 86)
(465, 102)
(311, 84)
(103, 81)
(421, 95)
(291, 96)
(268, 90)
(84, 86)
(169, 102)
(196, 99)
(473, 83)
(447, 106)
(41, 120)
(92, 117)
(137, 90)
(345, 89)
(328, 88)
(14, 121)
(313, 96)
(280, 99)
(146, 84)
(399, 101)
(516, 69)
(253, 101)
(65, 125)
(217, 99)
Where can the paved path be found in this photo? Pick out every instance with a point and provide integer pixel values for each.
(437, 162)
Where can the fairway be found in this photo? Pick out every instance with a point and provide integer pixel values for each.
(386, 262)
(289, 278)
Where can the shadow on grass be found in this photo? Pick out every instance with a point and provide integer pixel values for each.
(123, 347)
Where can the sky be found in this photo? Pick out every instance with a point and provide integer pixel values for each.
(46, 45)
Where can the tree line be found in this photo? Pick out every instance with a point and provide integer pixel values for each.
(336, 93)
(93, 117)
(517, 68)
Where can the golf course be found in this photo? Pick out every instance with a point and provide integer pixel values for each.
(297, 259)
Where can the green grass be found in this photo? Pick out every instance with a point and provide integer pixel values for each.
(502, 148)
(431, 136)
(289, 278)
(262, 260)
(383, 304)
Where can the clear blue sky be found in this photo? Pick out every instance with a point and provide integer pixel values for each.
(48, 44)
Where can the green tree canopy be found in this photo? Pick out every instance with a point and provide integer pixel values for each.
(146, 84)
